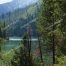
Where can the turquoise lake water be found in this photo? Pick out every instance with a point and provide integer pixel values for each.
(8, 45)
(11, 44)
(14, 43)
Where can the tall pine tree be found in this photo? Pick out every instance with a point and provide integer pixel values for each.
(49, 25)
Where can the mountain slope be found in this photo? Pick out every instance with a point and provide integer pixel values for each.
(15, 4)
(19, 17)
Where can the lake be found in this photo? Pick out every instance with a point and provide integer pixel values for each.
(15, 42)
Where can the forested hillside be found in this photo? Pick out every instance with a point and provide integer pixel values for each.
(15, 20)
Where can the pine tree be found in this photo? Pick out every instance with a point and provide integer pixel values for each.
(4, 31)
(0, 38)
(63, 27)
(49, 23)
(0, 42)
(0, 33)
(22, 57)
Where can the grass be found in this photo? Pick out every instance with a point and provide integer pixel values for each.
(62, 61)
(9, 55)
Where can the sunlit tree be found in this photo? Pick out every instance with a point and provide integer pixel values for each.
(49, 24)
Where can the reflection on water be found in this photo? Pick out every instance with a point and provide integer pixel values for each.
(11, 44)
(8, 45)
(14, 43)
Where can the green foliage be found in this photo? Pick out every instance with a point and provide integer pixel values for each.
(22, 57)
(51, 24)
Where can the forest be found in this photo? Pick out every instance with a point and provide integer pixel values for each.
(42, 39)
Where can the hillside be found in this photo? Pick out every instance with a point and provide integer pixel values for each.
(14, 4)
(14, 20)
